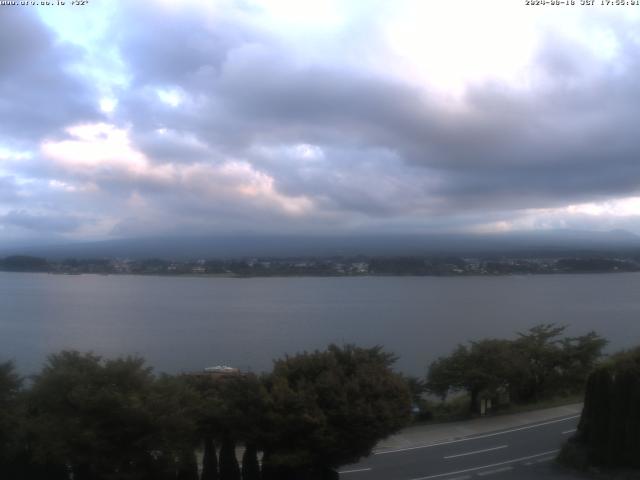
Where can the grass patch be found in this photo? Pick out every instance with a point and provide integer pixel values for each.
(457, 408)
(542, 404)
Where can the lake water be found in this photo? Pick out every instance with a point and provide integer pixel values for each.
(180, 323)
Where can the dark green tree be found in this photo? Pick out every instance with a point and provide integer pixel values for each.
(209, 420)
(187, 465)
(609, 428)
(108, 418)
(209, 460)
(244, 400)
(483, 368)
(11, 421)
(329, 408)
(250, 465)
(447, 374)
(232, 411)
(24, 263)
(539, 361)
(579, 357)
(229, 468)
(417, 387)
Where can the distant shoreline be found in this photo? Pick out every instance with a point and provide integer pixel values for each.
(367, 275)
(358, 266)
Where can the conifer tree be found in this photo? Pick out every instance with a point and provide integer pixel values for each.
(209, 460)
(250, 466)
(229, 468)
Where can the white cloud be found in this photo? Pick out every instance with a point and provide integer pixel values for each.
(172, 97)
(108, 105)
(484, 116)
(103, 154)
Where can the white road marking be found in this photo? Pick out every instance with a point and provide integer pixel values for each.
(566, 432)
(547, 459)
(497, 470)
(355, 471)
(515, 460)
(477, 437)
(476, 451)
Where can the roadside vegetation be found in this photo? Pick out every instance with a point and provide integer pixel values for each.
(607, 441)
(539, 367)
(85, 418)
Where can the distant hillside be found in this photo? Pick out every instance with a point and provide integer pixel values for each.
(554, 243)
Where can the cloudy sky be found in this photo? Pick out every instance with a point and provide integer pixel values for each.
(128, 118)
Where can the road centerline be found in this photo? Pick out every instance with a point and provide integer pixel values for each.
(476, 451)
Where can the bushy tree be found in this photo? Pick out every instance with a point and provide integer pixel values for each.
(417, 387)
(538, 363)
(482, 368)
(579, 356)
(108, 418)
(329, 408)
(10, 419)
(231, 410)
(187, 465)
(209, 421)
(243, 408)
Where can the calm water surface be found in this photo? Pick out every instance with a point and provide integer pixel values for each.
(181, 324)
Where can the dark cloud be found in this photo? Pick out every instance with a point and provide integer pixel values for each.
(559, 141)
(8, 189)
(43, 223)
(39, 95)
(260, 126)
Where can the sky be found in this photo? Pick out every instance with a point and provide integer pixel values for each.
(129, 118)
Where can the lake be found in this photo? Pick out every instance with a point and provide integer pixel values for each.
(187, 323)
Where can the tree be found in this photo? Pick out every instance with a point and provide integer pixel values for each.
(483, 368)
(446, 374)
(536, 364)
(540, 358)
(232, 410)
(609, 428)
(579, 356)
(329, 408)
(244, 401)
(209, 460)
(250, 465)
(187, 465)
(24, 263)
(106, 418)
(208, 420)
(229, 468)
(10, 419)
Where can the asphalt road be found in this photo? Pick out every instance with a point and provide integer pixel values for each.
(523, 453)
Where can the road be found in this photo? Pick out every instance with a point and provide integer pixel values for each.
(523, 452)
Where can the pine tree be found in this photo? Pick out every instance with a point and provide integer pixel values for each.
(609, 428)
(209, 460)
(187, 466)
(250, 466)
(229, 468)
